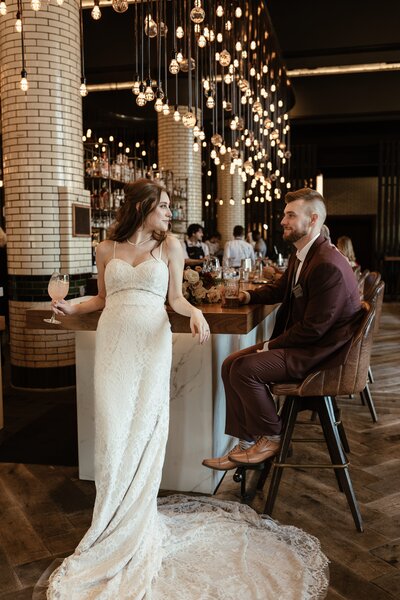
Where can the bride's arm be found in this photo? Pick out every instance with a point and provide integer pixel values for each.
(63, 307)
(178, 303)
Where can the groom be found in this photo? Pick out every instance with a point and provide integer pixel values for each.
(320, 304)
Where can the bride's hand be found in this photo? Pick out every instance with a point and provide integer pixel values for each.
(62, 307)
(199, 325)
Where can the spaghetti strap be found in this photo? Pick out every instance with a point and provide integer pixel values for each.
(160, 253)
(115, 245)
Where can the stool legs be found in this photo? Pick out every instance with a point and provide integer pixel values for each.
(289, 416)
(333, 441)
(325, 408)
(366, 398)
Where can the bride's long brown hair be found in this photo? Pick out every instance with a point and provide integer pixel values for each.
(141, 198)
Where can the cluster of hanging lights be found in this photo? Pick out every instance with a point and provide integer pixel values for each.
(222, 59)
(35, 5)
(226, 54)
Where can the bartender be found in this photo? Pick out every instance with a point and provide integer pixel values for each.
(194, 249)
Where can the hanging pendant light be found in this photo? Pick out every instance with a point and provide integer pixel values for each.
(3, 8)
(83, 89)
(18, 22)
(96, 12)
(197, 14)
(150, 27)
(120, 6)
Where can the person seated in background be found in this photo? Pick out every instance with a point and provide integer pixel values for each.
(237, 248)
(326, 233)
(319, 311)
(259, 246)
(345, 246)
(214, 244)
(194, 249)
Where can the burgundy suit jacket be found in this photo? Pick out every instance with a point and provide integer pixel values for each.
(316, 324)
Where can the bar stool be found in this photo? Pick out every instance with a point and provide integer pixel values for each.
(374, 290)
(316, 393)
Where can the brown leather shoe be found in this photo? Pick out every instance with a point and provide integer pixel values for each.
(224, 463)
(262, 450)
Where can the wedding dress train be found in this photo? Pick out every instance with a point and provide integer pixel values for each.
(186, 548)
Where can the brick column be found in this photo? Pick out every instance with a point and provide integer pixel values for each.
(175, 152)
(43, 177)
(230, 188)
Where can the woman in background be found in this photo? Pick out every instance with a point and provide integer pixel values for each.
(345, 245)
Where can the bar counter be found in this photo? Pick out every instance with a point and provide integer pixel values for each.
(197, 409)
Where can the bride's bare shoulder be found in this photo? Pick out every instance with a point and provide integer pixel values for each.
(172, 243)
(104, 249)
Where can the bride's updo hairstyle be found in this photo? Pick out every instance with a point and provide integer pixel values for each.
(141, 198)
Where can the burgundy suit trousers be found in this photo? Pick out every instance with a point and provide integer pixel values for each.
(250, 407)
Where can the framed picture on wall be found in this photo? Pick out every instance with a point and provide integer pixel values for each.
(81, 220)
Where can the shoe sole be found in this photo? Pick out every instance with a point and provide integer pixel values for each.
(218, 468)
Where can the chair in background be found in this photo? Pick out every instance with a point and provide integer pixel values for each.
(374, 290)
(317, 393)
(361, 282)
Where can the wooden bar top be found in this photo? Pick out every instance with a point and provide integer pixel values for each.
(221, 320)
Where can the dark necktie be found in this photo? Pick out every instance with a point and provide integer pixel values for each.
(296, 266)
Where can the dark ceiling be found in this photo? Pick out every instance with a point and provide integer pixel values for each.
(334, 111)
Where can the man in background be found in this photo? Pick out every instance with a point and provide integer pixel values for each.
(237, 248)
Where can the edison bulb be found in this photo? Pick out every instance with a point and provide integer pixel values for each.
(136, 87)
(60, 2)
(173, 66)
(165, 109)
(210, 102)
(222, 149)
(83, 89)
(202, 135)
(179, 32)
(149, 94)
(24, 85)
(18, 25)
(197, 14)
(120, 6)
(201, 42)
(158, 105)
(177, 116)
(36, 4)
(238, 47)
(220, 11)
(238, 12)
(228, 25)
(195, 147)
(224, 58)
(216, 139)
(150, 27)
(189, 119)
(3, 9)
(141, 99)
(96, 12)
(179, 57)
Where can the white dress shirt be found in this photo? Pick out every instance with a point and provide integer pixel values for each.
(237, 249)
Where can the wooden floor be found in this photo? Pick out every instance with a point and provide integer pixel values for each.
(45, 510)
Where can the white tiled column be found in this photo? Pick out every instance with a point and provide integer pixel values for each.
(175, 152)
(43, 177)
(230, 188)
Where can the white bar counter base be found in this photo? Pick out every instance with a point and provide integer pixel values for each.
(197, 411)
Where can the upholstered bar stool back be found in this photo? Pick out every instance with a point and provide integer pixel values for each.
(317, 393)
(374, 290)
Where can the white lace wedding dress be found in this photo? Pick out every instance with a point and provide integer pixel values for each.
(187, 548)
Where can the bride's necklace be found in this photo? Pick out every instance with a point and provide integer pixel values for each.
(140, 243)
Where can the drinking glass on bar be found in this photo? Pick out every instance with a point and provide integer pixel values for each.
(58, 288)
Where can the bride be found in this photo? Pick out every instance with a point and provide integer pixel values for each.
(186, 548)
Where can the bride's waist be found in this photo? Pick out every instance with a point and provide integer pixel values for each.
(134, 297)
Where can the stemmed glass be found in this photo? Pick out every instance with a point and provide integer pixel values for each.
(58, 288)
